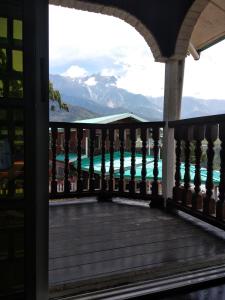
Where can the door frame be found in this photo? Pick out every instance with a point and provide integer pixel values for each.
(36, 74)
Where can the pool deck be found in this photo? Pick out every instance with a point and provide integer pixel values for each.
(100, 245)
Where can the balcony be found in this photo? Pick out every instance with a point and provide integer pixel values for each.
(103, 178)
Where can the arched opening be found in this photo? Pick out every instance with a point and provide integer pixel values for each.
(119, 13)
(104, 61)
(121, 73)
(104, 168)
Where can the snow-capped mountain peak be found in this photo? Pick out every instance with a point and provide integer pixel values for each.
(91, 81)
(100, 94)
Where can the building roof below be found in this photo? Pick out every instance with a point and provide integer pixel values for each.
(112, 119)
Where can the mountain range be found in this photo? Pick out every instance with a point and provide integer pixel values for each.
(97, 95)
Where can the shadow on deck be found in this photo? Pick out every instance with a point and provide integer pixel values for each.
(102, 245)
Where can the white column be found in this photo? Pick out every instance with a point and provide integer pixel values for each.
(174, 73)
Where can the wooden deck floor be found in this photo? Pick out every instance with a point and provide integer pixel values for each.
(104, 244)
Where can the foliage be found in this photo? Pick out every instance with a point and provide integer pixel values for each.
(216, 160)
(3, 59)
(15, 86)
(54, 95)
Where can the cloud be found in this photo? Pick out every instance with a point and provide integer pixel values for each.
(143, 81)
(94, 43)
(76, 35)
(80, 36)
(75, 72)
(84, 35)
(141, 75)
(109, 72)
(205, 78)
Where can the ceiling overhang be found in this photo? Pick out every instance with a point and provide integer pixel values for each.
(210, 27)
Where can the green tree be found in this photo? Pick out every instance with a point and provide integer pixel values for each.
(54, 95)
(3, 59)
(15, 86)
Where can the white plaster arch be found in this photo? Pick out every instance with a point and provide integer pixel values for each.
(119, 13)
(187, 28)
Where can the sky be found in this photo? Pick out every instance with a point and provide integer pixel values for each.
(84, 43)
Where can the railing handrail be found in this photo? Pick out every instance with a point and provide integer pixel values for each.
(214, 119)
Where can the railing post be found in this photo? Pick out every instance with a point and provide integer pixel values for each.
(168, 162)
(67, 185)
(54, 133)
(91, 166)
(155, 187)
(103, 179)
(132, 170)
(220, 206)
(103, 194)
(177, 190)
(198, 136)
(156, 201)
(121, 181)
(79, 153)
(143, 170)
(211, 134)
(111, 168)
(187, 193)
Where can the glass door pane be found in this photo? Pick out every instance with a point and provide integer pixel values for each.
(11, 149)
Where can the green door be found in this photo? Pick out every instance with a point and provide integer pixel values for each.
(23, 115)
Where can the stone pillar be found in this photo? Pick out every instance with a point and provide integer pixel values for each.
(174, 73)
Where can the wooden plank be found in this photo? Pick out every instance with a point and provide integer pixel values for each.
(103, 244)
(122, 265)
(97, 240)
(115, 233)
(131, 251)
(92, 236)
